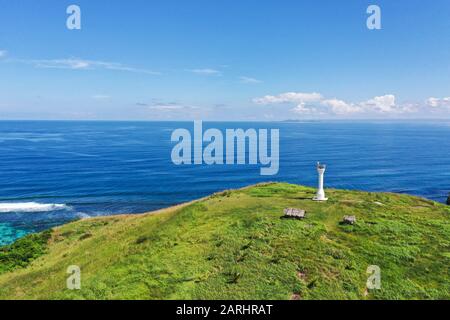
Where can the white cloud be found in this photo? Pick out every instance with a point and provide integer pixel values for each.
(63, 64)
(387, 104)
(83, 64)
(169, 106)
(381, 104)
(3, 53)
(303, 109)
(206, 72)
(315, 103)
(249, 80)
(289, 97)
(438, 102)
(341, 107)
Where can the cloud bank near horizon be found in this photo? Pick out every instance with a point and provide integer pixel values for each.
(316, 104)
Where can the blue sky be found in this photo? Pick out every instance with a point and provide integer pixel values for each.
(224, 60)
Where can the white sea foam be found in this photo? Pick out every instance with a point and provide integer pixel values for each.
(30, 207)
(83, 215)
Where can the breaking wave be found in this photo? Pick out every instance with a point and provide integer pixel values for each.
(31, 207)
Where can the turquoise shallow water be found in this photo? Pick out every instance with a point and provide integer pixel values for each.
(8, 233)
(54, 172)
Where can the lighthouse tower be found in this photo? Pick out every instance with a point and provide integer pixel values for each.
(320, 195)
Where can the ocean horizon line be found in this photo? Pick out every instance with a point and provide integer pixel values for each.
(421, 120)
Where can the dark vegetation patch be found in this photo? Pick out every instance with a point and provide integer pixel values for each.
(22, 252)
(86, 235)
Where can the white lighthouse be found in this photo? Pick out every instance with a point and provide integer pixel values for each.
(320, 195)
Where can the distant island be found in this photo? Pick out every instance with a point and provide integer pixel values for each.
(238, 244)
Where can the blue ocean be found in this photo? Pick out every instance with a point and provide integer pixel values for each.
(52, 172)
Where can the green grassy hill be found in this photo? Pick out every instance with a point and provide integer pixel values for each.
(236, 245)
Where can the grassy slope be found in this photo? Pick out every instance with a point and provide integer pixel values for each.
(234, 245)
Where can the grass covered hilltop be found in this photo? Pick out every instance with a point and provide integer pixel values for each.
(235, 245)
